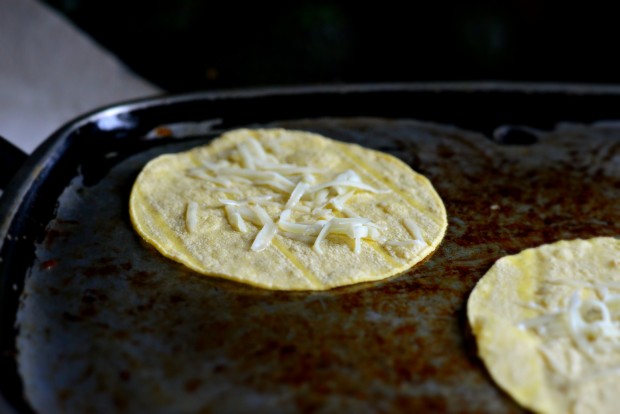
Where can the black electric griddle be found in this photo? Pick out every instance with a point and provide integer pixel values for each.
(497, 114)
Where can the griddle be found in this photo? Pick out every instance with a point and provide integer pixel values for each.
(108, 324)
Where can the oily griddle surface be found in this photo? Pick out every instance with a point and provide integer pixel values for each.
(109, 325)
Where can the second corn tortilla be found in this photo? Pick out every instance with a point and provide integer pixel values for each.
(536, 317)
(161, 193)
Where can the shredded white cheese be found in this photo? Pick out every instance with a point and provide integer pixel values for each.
(593, 324)
(315, 199)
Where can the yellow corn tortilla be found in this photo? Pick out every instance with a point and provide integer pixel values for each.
(393, 195)
(537, 319)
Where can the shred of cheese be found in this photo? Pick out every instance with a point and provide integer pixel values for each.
(202, 175)
(320, 198)
(302, 208)
(319, 238)
(345, 183)
(296, 195)
(228, 202)
(264, 237)
(282, 187)
(235, 219)
(239, 180)
(299, 228)
(374, 234)
(357, 246)
(266, 200)
(339, 201)
(262, 215)
(285, 214)
(350, 213)
(309, 178)
(248, 159)
(355, 228)
(324, 213)
(288, 168)
(248, 214)
(191, 216)
(256, 149)
(413, 229)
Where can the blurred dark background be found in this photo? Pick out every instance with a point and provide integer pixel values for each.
(184, 45)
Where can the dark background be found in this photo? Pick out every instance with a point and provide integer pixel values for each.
(183, 45)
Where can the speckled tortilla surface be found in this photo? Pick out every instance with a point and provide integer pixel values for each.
(548, 373)
(164, 188)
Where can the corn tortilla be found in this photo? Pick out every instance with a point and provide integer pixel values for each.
(547, 325)
(178, 204)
